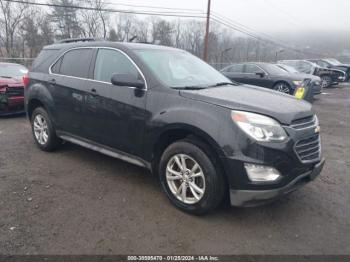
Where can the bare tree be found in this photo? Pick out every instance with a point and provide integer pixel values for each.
(162, 32)
(93, 22)
(125, 27)
(11, 16)
(65, 18)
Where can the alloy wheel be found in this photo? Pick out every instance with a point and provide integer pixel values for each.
(326, 81)
(185, 179)
(282, 88)
(40, 129)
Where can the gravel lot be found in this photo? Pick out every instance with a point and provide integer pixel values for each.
(76, 201)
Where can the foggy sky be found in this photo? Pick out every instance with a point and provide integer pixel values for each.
(271, 15)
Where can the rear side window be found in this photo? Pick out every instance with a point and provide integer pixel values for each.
(76, 63)
(56, 67)
(236, 69)
(109, 62)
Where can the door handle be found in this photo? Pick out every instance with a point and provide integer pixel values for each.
(52, 81)
(93, 92)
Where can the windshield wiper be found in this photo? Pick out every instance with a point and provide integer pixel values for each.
(190, 87)
(224, 84)
(6, 76)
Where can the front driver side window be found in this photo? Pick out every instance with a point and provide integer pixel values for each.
(252, 69)
(110, 62)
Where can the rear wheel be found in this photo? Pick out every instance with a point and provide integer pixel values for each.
(190, 179)
(326, 81)
(43, 130)
(283, 88)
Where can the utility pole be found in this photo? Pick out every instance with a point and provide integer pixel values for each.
(206, 39)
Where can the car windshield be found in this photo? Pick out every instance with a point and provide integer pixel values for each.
(12, 70)
(273, 69)
(333, 61)
(179, 69)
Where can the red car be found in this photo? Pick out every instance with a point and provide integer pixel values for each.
(12, 77)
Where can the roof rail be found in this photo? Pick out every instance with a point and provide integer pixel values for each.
(74, 40)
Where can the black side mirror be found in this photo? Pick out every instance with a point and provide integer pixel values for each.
(261, 74)
(127, 80)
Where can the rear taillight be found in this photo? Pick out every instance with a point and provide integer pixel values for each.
(25, 80)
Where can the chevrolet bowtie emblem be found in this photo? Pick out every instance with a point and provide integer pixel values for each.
(317, 129)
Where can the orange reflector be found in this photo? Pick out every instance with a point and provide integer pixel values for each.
(238, 117)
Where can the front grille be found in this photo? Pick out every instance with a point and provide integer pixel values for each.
(303, 123)
(14, 91)
(309, 149)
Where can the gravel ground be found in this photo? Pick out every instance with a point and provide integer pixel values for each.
(76, 201)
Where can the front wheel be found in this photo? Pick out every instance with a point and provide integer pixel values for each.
(283, 88)
(326, 81)
(190, 179)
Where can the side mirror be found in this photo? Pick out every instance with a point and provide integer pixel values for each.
(261, 74)
(127, 80)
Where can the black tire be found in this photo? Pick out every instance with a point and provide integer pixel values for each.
(214, 182)
(52, 141)
(326, 81)
(283, 88)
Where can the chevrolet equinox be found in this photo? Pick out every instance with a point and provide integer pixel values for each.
(207, 138)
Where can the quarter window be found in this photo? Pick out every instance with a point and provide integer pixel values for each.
(110, 62)
(76, 63)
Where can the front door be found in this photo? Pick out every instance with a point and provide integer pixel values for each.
(254, 75)
(115, 114)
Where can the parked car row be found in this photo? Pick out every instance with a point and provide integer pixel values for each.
(288, 75)
(272, 76)
(207, 138)
(329, 76)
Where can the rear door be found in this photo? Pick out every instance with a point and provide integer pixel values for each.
(68, 80)
(115, 114)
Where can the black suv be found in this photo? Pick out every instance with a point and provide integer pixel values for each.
(168, 111)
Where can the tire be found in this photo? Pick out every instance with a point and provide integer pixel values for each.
(283, 88)
(43, 131)
(326, 81)
(210, 182)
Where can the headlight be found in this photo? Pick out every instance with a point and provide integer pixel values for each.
(297, 82)
(259, 127)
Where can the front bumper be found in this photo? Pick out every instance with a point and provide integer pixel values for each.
(258, 197)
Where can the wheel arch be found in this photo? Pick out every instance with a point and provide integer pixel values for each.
(192, 134)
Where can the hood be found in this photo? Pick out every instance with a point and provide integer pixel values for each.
(312, 77)
(293, 76)
(11, 82)
(282, 107)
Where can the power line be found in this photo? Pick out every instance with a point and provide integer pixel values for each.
(232, 26)
(245, 28)
(110, 10)
(149, 6)
(217, 18)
